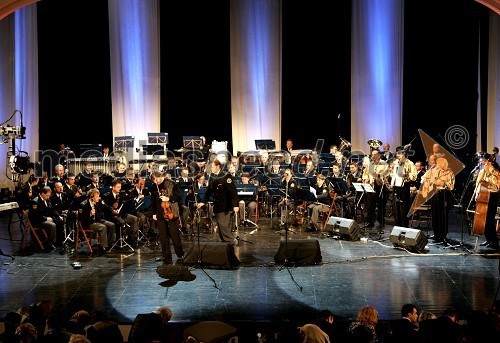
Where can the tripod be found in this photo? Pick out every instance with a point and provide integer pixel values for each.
(120, 242)
(199, 260)
(286, 261)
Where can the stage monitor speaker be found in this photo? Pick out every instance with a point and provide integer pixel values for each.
(299, 251)
(346, 228)
(212, 254)
(411, 239)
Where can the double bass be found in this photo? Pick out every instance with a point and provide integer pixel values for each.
(483, 199)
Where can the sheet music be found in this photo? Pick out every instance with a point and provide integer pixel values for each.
(358, 186)
(368, 188)
(313, 190)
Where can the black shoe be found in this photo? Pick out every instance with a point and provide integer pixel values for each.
(485, 243)
(311, 229)
(493, 245)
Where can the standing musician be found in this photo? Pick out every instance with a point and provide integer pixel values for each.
(375, 174)
(185, 184)
(415, 185)
(489, 178)
(355, 175)
(435, 182)
(290, 193)
(115, 199)
(323, 203)
(165, 200)
(91, 215)
(248, 201)
(222, 188)
(403, 173)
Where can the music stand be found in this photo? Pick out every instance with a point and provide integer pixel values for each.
(158, 138)
(340, 186)
(360, 188)
(192, 142)
(319, 145)
(247, 190)
(123, 142)
(265, 144)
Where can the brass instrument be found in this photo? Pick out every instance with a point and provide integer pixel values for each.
(344, 144)
(374, 143)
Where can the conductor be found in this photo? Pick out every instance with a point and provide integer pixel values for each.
(223, 190)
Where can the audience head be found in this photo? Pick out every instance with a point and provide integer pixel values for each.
(410, 311)
(426, 315)
(165, 313)
(311, 333)
(368, 315)
(26, 333)
(326, 315)
(77, 338)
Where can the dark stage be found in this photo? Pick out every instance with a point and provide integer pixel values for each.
(352, 274)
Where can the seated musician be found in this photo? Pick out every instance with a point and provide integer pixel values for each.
(60, 174)
(336, 171)
(275, 169)
(27, 192)
(235, 162)
(142, 205)
(310, 169)
(85, 177)
(92, 217)
(121, 171)
(376, 174)
(322, 204)
(60, 200)
(43, 215)
(69, 186)
(232, 172)
(94, 183)
(489, 178)
(248, 202)
(185, 185)
(115, 199)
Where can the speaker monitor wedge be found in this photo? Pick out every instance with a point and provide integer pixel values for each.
(411, 239)
(299, 251)
(346, 228)
(217, 254)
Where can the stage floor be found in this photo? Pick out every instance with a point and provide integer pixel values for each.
(352, 274)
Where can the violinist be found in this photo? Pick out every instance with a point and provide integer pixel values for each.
(165, 199)
(403, 172)
(323, 202)
(91, 215)
(115, 199)
(489, 178)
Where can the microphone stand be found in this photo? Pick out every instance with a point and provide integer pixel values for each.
(285, 261)
(199, 260)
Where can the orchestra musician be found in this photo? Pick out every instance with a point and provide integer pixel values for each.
(336, 172)
(165, 199)
(85, 176)
(60, 174)
(248, 202)
(355, 175)
(222, 188)
(375, 174)
(69, 185)
(94, 183)
(323, 202)
(142, 210)
(310, 169)
(115, 199)
(120, 172)
(91, 215)
(235, 162)
(489, 177)
(403, 172)
(290, 193)
(415, 185)
(43, 215)
(185, 183)
(387, 155)
(435, 182)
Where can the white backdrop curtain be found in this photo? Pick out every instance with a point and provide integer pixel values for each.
(376, 72)
(493, 107)
(255, 38)
(19, 83)
(135, 67)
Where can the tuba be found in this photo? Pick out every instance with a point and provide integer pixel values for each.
(374, 143)
(344, 144)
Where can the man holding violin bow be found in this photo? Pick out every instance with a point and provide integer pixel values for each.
(165, 199)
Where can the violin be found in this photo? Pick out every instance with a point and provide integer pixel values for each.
(167, 208)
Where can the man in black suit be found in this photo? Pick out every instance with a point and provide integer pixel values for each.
(115, 199)
(442, 329)
(43, 215)
(226, 200)
(406, 328)
(149, 327)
